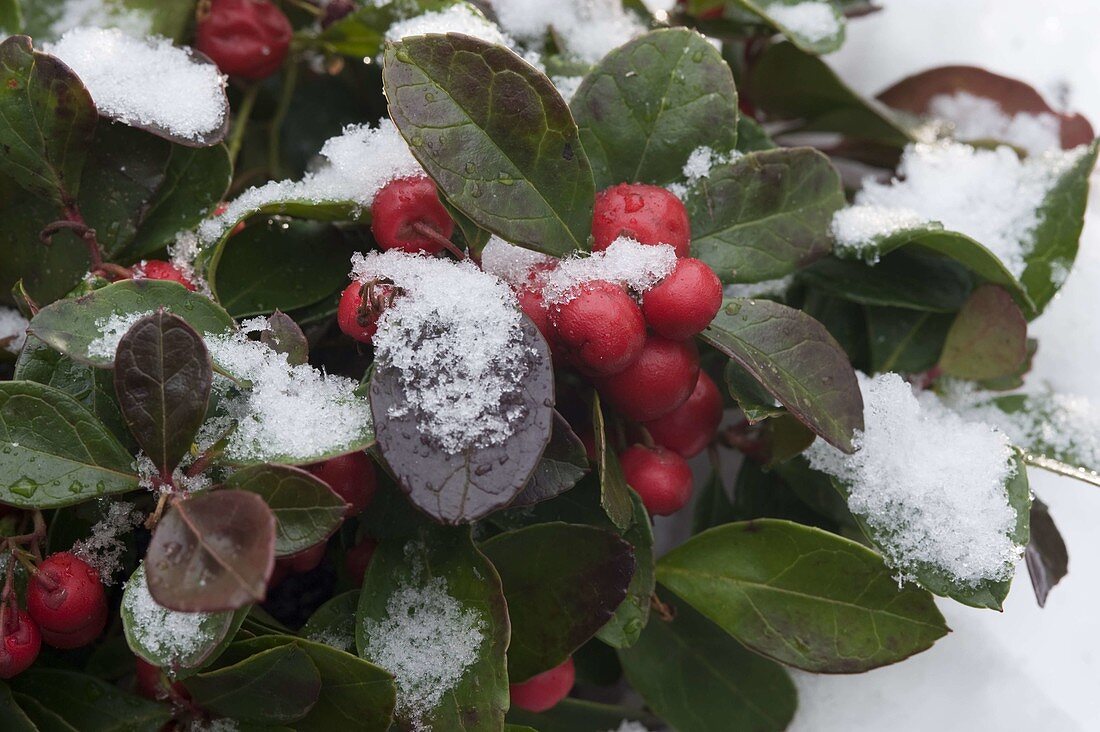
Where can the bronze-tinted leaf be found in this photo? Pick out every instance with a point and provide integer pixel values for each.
(1046, 555)
(988, 339)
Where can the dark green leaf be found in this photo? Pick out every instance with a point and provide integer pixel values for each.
(284, 336)
(911, 278)
(633, 612)
(11, 716)
(614, 492)
(988, 339)
(496, 136)
(334, 622)
(905, 341)
(575, 715)
(764, 215)
(163, 375)
(1046, 555)
(464, 487)
(212, 552)
(796, 360)
(90, 704)
(699, 679)
(649, 103)
(54, 452)
(562, 583)
(11, 16)
(44, 719)
(753, 400)
(751, 136)
(802, 596)
(563, 463)
(306, 510)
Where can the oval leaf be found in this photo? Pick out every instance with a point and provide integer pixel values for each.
(988, 339)
(802, 596)
(1046, 555)
(614, 492)
(563, 463)
(88, 703)
(212, 552)
(633, 612)
(496, 136)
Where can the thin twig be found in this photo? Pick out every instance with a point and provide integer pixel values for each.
(428, 232)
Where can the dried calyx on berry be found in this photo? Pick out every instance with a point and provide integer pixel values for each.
(245, 38)
(362, 304)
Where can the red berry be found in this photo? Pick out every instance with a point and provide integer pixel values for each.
(541, 692)
(358, 559)
(66, 597)
(157, 269)
(690, 427)
(534, 307)
(351, 477)
(661, 478)
(80, 636)
(647, 214)
(20, 642)
(304, 561)
(683, 304)
(660, 380)
(601, 329)
(246, 38)
(360, 308)
(403, 206)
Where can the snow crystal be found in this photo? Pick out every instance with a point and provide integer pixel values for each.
(511, 263)
(454, 335)
(989, 195)
(857, 226)
(104, 548)
(359, 163)
(284, 411)
(182, 253)
(978, 118)
(149, 476)
(929, 483)
(165, 633)
(635, 266)
(814, 20)
(13, 330)
(460, 18)
(142, 82)
(111, 330)
(760, 289)
(331, 637)
(101, 14)
(589, 29)
(427, 641)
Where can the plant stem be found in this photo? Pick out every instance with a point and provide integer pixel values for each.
(290, 83)
(428, 232)
(236, 137)
(1060, 468)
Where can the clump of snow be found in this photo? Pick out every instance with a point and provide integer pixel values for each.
(13, 330)
(760, 289)
(929, 483)
(855, 227)
(567, 85)
(454, 334)
(511, 263)
(427, 640)
(166, 633)
(626, 262)
(589, 29)
(72, 14)
(989, 195)
(332, 637)
(284, 411)
(149, 477)
(358, 163)
(103, 549)
(976, 118)
(142, 81)
(182, 253)
(460, 18)
(814, 20)
(111, 330)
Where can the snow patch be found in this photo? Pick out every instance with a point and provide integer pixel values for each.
(104, 547)
(13, 330)
(976, 118)
(855, 227)
(111, 330)
(638, 267)
(814, 20)
(461, 18)
(589, 29)
(166, 633)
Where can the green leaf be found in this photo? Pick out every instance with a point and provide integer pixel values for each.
(614, 492)
(699, 679)
(90, 704)
(47, 119)
(284, 336)
(988, 339)
(11, 17)
(44, 719)
(770, 11)
(54, 452)
(755, 403)
(764, 215)
(633, 612)
(211, 552)
(905, 341)
(649, 103)
(463, 487)
(751, 136)
(1046, 555)
(276, 686)
(306, 510)
(496, 136)
(11, 716)
(163, 376)
(563, 463)
(334, 622)
(562, 582)
(361, 33)
(71, 325)
(802, 596)
(796, 360)
(575, 715)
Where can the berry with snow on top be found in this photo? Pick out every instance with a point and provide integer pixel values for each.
(647, 214)
(158, 269)
(600, 328)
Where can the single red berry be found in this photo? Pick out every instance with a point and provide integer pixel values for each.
(20, 642)
(65, 595)
(541, 692)
(351, 477)
(661, 478)
(600, 329)
(80, 636)
(358, 557)
(246, 38)
(361, 305)
(534, 307)
(647, 214)
(683, 304)
(690, 427)
(660, 380)
(158, 269)
(304, 561)
(408, 215)
(152, 683)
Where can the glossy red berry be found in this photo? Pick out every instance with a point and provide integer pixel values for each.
(647, 214)
(661, 478)
(534, 307)
(358, 558)
(304, 561)
(600, 329)
(352, 477)
(690, 427)
(408, 215)
(246, 38)
(20, 642)
(66, 598)
(360, 308)
(658, 382)
(541, 692)
(157, 269)
(683, 304)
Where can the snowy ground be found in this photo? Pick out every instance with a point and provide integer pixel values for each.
(1028, 668)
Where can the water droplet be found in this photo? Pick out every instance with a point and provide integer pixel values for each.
(25, 487)
(733, 308)
(697, 57)
(429, 96)
(471, 167)
(75, 487)
(416, 141)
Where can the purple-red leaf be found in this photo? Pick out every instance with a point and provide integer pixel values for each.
(988, 339)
